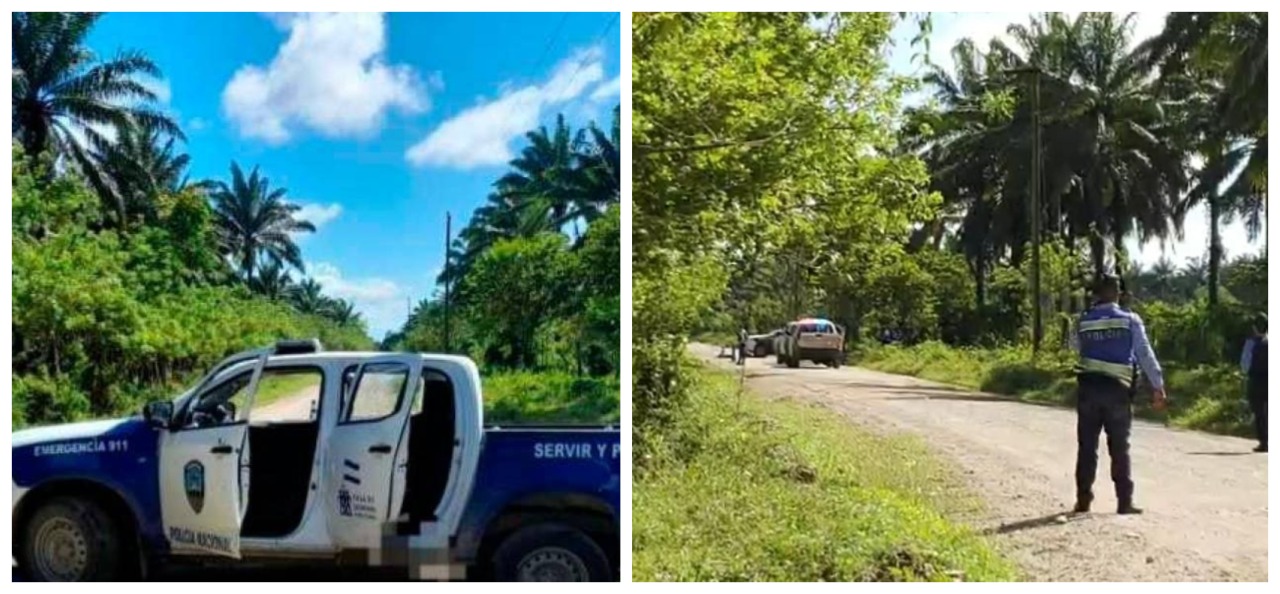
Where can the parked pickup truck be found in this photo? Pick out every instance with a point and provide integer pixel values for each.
(372, 459)
(811, 339)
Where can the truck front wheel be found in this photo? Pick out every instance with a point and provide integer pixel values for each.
(70, 540)
(550, 553)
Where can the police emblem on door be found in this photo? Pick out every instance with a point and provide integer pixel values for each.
(193, 484)
(344, 502)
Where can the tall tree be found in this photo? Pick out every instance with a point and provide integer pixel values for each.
(1218, 62)
(307, 298)
(255, 223)
(141, 165)
(598, 167)
(343, 312)
(542, 175)
(272, 281)
(66, 99)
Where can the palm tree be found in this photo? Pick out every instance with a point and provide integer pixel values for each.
(1106, 174)
(502, 217)
(968, 149)
(272, 282)
(67, 100)
(342, 312)
(543, 176)
(141, 166)
(254, 222)
(599, 162)
(1107, 130)
(307, 298)
(1230, 47)
(1219, 62)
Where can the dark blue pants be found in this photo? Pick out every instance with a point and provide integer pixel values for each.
(1257, 391)
(1103, 404)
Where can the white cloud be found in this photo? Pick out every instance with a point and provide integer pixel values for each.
(197, 124)
(330, 75)
(380, 301)
(318, 214)
(606, 90)
(482, 135)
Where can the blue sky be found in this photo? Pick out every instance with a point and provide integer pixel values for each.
(376, 124)
(950, 27)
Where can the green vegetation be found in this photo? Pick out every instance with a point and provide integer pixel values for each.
(1205, 398)
(534, 287)
(776, 175)
(742, 489)
(524, 397)
(129, 280)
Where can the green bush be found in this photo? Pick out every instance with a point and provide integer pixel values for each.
(49, 400)
(520, 397)
(741, 489)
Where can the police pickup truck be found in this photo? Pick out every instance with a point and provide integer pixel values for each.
(293, 453)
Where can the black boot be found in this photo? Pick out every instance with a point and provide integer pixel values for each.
(1262, 448)
(1083, 501)
(1126, 507)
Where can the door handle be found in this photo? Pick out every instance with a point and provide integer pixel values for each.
(220, 449)
(381, 448)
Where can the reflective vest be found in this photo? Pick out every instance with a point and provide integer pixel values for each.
(1105, 337)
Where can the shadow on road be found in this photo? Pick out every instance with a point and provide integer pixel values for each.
(1054, 519)
(1220, 453)
(960, 397)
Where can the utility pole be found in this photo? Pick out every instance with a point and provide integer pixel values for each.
(1037, 173)
(1037, 327)
(448, 223)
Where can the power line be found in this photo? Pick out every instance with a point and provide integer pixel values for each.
(551, 41)
(599, 38)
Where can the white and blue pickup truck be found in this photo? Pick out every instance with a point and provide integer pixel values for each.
(290, 453)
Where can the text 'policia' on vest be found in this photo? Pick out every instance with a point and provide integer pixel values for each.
(1106, 344)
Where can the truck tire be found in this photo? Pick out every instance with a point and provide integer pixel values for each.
(70, 539)
(761, 351)
(550, 553)
(793, 362)
(835, 363)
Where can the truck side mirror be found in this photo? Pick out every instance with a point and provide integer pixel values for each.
(158, 413)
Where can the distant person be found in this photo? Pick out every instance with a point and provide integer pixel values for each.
(742, 347)
(1253, 362)
(1110, 340)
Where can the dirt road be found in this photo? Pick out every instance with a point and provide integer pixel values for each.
(1205, 495)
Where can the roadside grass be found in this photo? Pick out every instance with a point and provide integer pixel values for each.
(741, 488)
(1203, 398)
(523, 397)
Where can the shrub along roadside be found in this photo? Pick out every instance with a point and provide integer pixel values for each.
(737, 488)
(1202, 397)
(523, 397)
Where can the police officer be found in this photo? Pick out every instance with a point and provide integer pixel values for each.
(1253, 362)
(1110, 341)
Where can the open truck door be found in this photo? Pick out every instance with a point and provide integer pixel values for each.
(367, 453)
(204, 460)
